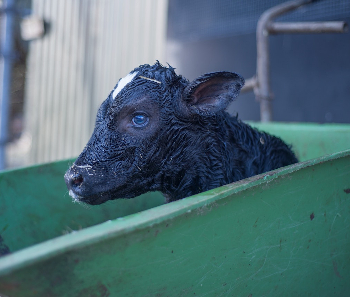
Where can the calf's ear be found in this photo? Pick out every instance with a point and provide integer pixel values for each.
(212, 92)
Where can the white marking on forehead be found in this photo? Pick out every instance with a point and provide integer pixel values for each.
(123, 82)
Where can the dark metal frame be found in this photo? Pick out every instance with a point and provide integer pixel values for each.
(260, 83)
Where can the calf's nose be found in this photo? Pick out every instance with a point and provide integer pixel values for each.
(73, 179)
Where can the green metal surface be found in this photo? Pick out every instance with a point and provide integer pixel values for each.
(283, 233)
(35, 206)
(310, 140)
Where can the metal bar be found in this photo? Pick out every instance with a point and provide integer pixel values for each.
(6, 61)
(249, 85)
(262, 89)
(307, 27)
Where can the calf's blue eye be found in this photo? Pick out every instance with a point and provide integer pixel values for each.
(140, 120)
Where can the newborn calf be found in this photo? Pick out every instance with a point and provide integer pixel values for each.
(157, 131)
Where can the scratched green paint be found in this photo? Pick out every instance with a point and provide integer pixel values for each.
(284, 233)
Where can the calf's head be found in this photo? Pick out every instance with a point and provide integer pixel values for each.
(147, 132)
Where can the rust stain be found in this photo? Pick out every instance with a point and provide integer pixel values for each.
(98, 290)
(335, 267)
(312, 216)
(10, 286)
(347, 191)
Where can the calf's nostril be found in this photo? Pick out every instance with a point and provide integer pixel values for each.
(77, 180)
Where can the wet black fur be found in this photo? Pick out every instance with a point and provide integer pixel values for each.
(192, 149)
